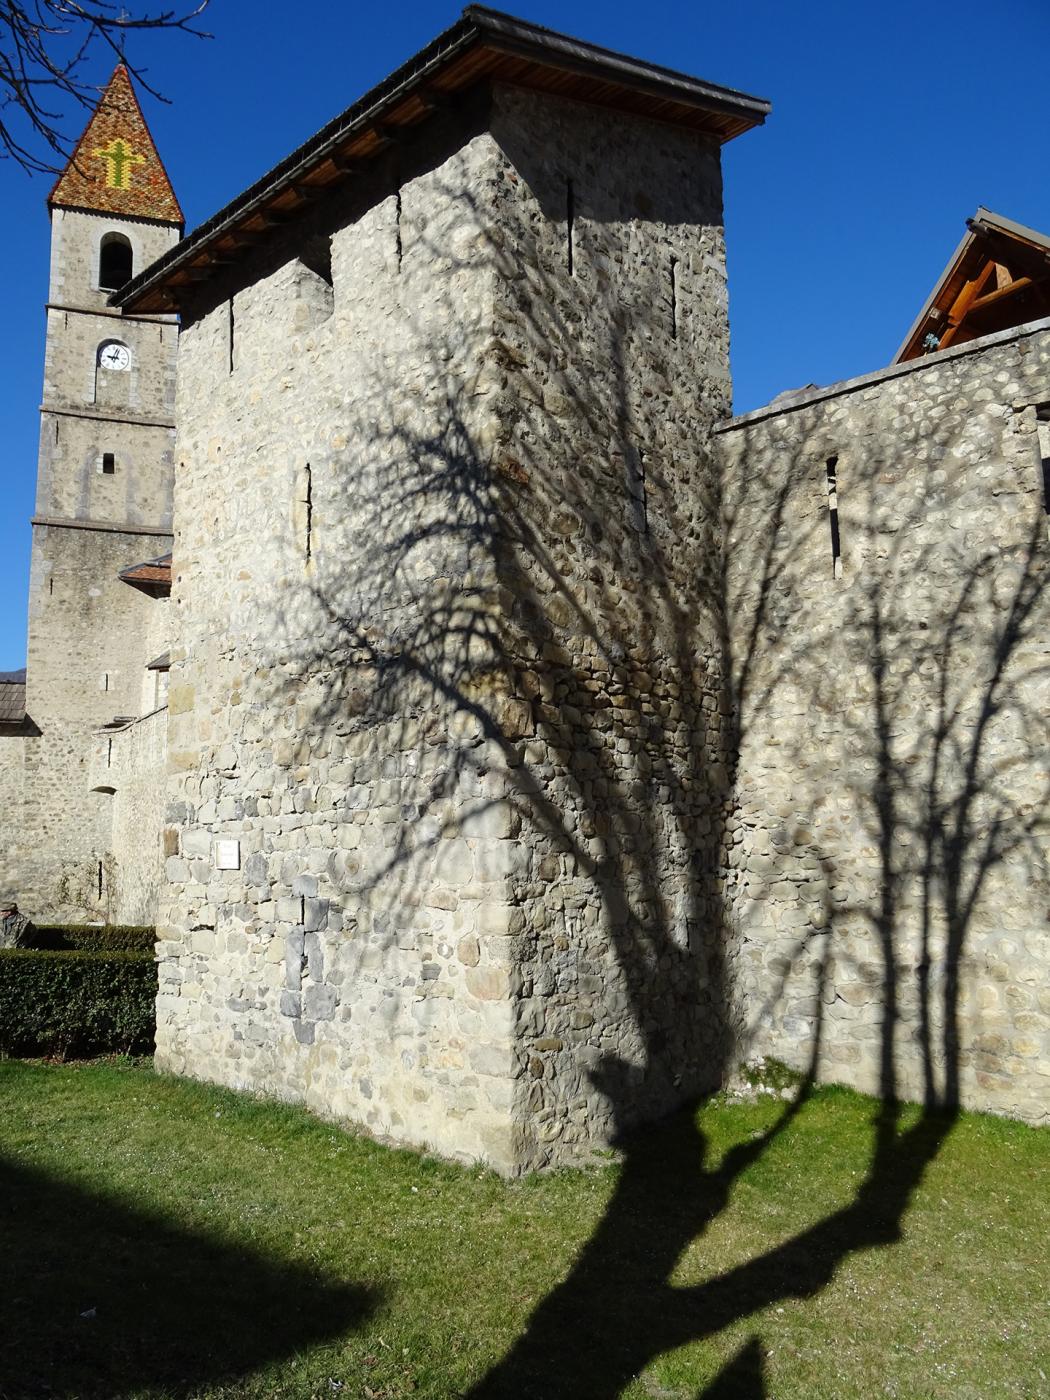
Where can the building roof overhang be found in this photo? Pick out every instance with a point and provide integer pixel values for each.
(153, 576)
(998, 277)
(12, 703)
(483, 46)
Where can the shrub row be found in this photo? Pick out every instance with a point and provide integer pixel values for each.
(76, 1002)
(90, 938)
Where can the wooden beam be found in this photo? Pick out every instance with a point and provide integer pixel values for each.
(1020, 284)
(247, 236)
(434, 100)
(276, 218)
(1020, 257)
(961, 306)
(344, 163)
(388, 135)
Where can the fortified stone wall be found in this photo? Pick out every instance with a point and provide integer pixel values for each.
(130, 763)
(12, 760)
(437, 666)
(610, 366)
(87, 654)
(890, 878)
(323, 457)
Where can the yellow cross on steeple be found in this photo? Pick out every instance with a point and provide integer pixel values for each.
(120, 159)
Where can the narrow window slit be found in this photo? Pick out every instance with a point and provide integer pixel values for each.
(570, 220)
(309, 513)
(231, 336)
(397, 227)
(109, 753)
(56, 429)
(51, 586)
(636, 490)
(674, 298)
(832, 468)
(99, 879)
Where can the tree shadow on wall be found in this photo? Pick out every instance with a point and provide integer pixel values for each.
(529, 641)
(102, 1300)
(939, 725)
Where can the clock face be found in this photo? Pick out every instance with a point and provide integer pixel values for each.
(114, 356)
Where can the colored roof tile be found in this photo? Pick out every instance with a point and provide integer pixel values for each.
(115, 168)
(154, 572)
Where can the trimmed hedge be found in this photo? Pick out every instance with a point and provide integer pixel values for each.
(95, 938)
(76, 1002)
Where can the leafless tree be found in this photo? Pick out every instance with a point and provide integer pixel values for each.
(46, 48)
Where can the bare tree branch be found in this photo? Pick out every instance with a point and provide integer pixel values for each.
(44, 50)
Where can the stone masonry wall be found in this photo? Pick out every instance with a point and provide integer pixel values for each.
(12, 760)
(87, 652)
(610, 366)
(437, 667)
(326, 967)
(131, 762)
(889, 877)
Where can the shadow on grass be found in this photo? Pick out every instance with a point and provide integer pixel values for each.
(102, 1300)
(617, 1310)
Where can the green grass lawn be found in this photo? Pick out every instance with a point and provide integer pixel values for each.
(162, 1238)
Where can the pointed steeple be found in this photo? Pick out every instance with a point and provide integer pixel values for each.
(115, 168)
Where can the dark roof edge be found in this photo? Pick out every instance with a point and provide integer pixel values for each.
(475, 24)
(549, 40)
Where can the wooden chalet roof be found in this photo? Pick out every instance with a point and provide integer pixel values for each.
(115, 168)
(484, 45)
(998, 277)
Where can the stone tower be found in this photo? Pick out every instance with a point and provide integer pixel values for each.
(447, 735)
(103, 502)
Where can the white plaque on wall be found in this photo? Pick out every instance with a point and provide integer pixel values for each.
(228, 855)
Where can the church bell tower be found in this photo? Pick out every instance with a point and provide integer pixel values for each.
(103, 500)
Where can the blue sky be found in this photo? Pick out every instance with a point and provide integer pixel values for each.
(891, 123)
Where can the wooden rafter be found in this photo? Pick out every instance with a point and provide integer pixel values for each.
(998, 278)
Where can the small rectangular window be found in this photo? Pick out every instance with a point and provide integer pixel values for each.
(109, 464)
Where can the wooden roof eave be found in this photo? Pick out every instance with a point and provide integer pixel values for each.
(431, 87)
